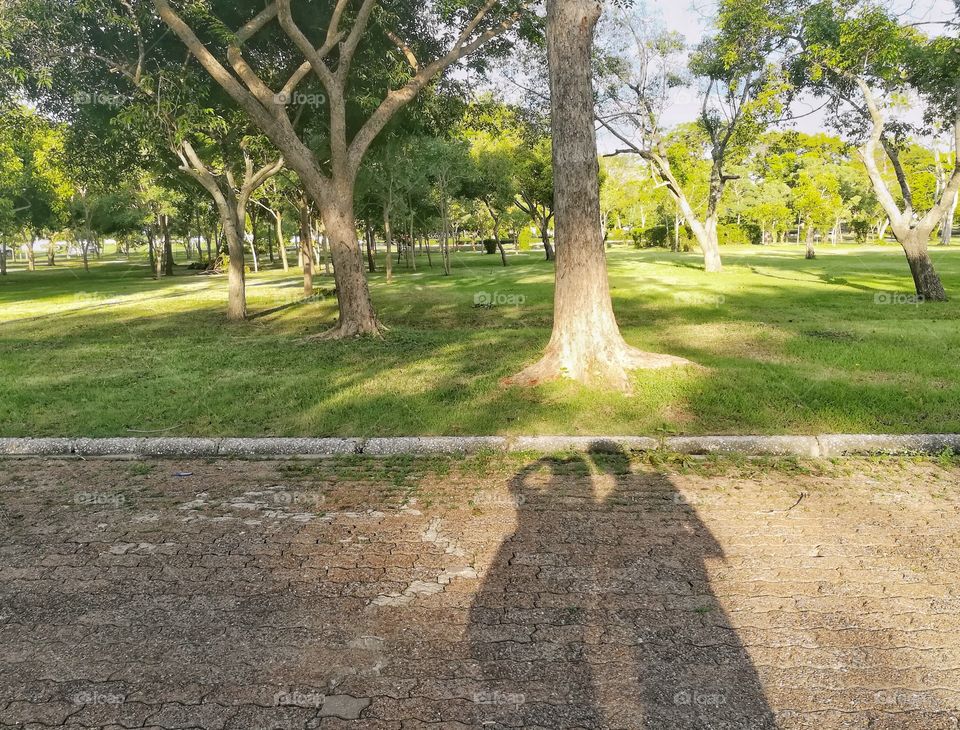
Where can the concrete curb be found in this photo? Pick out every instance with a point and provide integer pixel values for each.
(845, 444)
(822, 446)
(753, 445)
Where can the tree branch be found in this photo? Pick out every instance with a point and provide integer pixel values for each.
(397, 99)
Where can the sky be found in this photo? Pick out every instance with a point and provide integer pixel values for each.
(692, 18)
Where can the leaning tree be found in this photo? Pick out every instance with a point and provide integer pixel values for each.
(736, 75)
(864, 60)
(113, 68)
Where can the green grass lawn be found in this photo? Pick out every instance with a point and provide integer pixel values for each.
(787, 345)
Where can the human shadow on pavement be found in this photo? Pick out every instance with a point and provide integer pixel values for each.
(597, 612)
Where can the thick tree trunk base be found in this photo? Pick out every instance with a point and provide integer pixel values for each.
(711, 260)
(349, 330)
(926, 280)
(810, 254)
(607, 365)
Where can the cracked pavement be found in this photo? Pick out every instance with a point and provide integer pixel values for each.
(505, 591)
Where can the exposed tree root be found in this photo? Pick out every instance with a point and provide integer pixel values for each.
(607, 366)
(343, 331)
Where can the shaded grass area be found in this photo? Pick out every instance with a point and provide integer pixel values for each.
(787, 345)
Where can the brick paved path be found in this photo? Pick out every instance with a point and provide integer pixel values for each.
(499, 593)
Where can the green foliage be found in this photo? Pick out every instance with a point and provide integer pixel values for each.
(34, 182)
(732, 234)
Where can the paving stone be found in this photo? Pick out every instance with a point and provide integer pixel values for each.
(592, 591)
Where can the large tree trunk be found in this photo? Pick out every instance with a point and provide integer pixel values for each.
(946, 226)
(236, 274)
(705, 233)
(710, 245)
(51, 253)
(357, 316)
(925, 278)
(586, 343)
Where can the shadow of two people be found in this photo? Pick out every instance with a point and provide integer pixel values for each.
(597, 612)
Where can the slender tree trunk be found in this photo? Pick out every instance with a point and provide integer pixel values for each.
(51, 253)
(412, 250)
(548, 251)
(154, 254)
(925, 278)
(882, 229)
(306, 260)
(946, 226)
(281, 242)
(86, 260)
(253, 240)
(496, 236)
(31, 254)
(426, 241)
(167, 245)
(388, 242)
(810, 252)
(586, 343)
(3, 258)
(445, 246)
(371, 261)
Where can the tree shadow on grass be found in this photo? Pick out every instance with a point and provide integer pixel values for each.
(597, 612)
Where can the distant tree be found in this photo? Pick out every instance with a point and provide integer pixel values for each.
(39, 189)
(534, 172)
(742, 90)
(448, 163)
(493, 182)
(862, 57)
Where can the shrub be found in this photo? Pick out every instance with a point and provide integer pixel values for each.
(525, 239)
(733, 234)
(861, 230)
